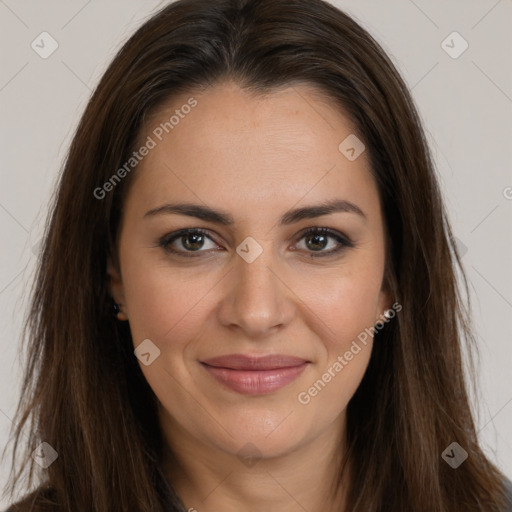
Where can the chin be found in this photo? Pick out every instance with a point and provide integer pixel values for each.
(269, 436)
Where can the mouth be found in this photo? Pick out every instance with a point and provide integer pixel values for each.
(251, 375)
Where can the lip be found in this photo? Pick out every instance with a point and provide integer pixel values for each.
(253, 375)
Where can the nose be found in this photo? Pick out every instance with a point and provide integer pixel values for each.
(256, 298)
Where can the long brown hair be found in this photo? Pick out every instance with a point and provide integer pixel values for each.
(83, 391)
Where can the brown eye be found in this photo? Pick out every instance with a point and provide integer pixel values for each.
(318, 239)
(316, 242)
(192, 241)
(187, 241)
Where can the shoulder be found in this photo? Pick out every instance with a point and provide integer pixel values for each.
(40, 500)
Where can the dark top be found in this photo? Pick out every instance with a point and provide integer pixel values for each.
(27, 504)
(508, 486)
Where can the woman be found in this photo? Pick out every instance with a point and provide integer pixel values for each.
(250, 192)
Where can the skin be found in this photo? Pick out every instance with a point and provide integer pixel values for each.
(254, 157)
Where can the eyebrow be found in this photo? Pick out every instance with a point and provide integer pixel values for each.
(290, 217)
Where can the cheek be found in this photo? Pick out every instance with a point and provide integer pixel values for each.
(329, 391)
(162, 302)
(346, 307)
(345, 301)
(167, 307)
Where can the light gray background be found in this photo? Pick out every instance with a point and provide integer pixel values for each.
(465, 103)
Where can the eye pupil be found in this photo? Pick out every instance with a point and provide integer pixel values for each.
(197, 242)
(319, 245)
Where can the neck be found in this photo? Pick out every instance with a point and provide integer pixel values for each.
(209, 479)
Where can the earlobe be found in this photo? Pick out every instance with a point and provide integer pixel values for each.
(117, 310)
(385, 311)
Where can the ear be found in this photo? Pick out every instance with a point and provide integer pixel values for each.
(115, 283)
(385, 302)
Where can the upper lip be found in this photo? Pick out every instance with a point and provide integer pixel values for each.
(247, 362)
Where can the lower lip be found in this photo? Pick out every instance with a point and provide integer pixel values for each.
(255, 382)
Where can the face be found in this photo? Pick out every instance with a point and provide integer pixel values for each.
(255, 317)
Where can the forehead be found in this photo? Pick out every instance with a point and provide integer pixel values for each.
(239, 147)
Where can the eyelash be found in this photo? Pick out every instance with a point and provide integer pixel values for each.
(166, 240)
